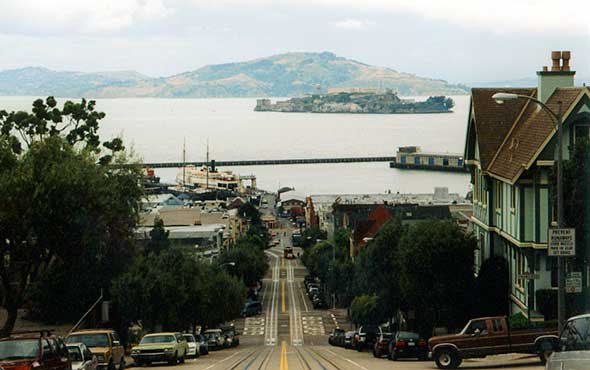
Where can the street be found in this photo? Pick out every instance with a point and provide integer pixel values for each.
(290, 334)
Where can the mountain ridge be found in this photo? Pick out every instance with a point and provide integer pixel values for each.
(287, 74)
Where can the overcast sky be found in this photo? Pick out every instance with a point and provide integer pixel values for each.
(457, 40)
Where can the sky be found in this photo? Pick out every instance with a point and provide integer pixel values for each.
(461, 41)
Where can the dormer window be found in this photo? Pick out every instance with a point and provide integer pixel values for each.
(581, 131)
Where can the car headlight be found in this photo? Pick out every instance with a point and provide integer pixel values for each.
(168, 350)
(100, 357)
(134, 351)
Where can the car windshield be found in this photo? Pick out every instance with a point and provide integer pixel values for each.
(211, 335)
(19, 349)
(189, 338)
(407, 335)
(576, 335)
(151, 339)
(90, 340)
(75, 354)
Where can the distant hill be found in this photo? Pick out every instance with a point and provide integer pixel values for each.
(290, 74)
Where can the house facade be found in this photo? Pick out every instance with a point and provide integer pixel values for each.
(511, 152)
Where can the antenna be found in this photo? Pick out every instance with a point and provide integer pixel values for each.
(207, 165)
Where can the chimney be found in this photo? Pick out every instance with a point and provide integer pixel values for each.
(560, 75)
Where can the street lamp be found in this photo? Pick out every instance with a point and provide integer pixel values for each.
(501, 98)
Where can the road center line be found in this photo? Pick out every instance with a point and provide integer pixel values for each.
(225, 359)
(348, 360)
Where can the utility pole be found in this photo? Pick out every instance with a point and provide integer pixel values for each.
(560, 223)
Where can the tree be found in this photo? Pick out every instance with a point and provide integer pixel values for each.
(436, 273)
(492, 290)
(249, 262)
(366, 310)
(158, 238)
(311, 235)
(61, 202)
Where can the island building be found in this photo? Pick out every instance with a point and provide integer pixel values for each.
(511, 154)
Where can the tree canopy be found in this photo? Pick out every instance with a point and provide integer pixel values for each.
(61, 202)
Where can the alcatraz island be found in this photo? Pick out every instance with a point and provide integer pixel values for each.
(357, 100)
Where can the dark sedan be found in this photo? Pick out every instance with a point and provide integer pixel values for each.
(381, 347)
(406, 344)
(337, 337)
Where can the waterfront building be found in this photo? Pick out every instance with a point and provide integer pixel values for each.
(511, 152)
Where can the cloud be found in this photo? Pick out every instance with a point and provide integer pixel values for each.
(354, 24)
(86, 16)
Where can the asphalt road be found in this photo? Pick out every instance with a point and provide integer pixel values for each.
(291, 335)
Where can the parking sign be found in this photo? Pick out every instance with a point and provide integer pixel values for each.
(562, 242)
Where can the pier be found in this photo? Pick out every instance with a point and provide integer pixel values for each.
(269, 162)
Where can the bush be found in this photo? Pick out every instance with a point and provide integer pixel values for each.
(547, 303)
(518, 321)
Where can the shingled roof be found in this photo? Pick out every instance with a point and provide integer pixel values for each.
(529, 134)
(494, 121)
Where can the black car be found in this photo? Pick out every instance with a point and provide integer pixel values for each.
(232, 337)
(318, 301)
(366, 337)
(406, 344)
(252, 308)
(381, 347)
(203, 344)
(336, 337)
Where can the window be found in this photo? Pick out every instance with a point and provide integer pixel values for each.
(581, 131)
(477, 326)
(476, 186)
(499, 187)
(445, 161)
(520, 268)
(416, 160)
(576, 335)
(513, 197)
(497, 326)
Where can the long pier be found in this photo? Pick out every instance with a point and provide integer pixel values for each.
(270, 162)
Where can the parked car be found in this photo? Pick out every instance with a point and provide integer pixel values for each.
(336, 337)
(203, 345)
(366, 337)
(160, 347)
(231, 336)
(252, 308)
(489, 336)
(573, 346)
(81, 357)
(406, 344)
(214, 339)
(381, 347)
(104, 344)
(33, 350)
(318, 301)
(348, 339)
(193, 346)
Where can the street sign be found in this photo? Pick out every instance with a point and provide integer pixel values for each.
(573, 283)
(562, 242)
(529, 276)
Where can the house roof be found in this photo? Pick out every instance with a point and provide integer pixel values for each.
(182, 217)
(493, 121)
(529, 135)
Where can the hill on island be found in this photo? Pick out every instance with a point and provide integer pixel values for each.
(290, 74)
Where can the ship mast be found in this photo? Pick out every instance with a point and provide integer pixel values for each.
(207, 165)
(184, 164)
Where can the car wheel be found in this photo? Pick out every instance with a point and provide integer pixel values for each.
(447, 359)
(139, 363)
(174, 360)
(376, 353)
(122, 364)
(111, 365)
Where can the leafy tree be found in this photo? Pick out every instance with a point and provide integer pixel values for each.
(250, 262)
(436, 273)
(492, 287)
(366, 310)
(376, 267)
(158, 238)
(311, 235)
(61, 202)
